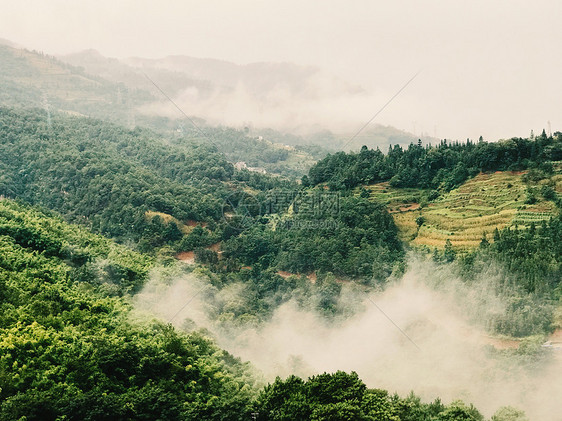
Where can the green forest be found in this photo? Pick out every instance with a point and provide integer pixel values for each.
(91, 210)
(94, 206)
(444, 166)
(214, 211)
(72, 350)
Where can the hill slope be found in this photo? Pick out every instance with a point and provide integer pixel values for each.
(466, 214)
(69, 348)
(32, 79)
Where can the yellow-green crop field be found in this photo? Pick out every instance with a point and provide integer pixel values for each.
(466, 214)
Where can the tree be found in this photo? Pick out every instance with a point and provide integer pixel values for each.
(508, 413)
(172, 233)
(458, 411)
(449, 253)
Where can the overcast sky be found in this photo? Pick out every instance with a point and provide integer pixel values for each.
(487, 67)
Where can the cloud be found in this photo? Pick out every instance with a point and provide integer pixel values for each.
(441, 314)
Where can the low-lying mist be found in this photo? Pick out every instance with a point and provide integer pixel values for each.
(319, 105)
(442, 351)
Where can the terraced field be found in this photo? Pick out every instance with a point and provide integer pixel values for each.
(466, 214)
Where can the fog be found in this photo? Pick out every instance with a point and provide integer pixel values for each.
(314, 108)
(451, 356)
(488, 68)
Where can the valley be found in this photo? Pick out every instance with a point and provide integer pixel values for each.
(205, 266)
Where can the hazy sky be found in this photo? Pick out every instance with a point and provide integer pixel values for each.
(487, 67)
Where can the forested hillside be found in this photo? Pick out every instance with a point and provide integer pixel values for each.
(269, 239)
(444, 166)
(69, 347)
(467, 214)
(33, 79)
(69, 323)
(108, 178)
(164, 196)
(72, 348)
(211, 212)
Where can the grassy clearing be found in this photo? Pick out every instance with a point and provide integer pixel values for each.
(166, 218)
(464, 215)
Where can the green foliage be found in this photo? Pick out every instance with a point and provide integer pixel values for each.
(26, 77)
(350, 242)
(109, 178)
(449, 253)
(508, 413)
(446, 166)
(49, 237)
(198, 237)
(343, 396)
(531, 197)
(458, 411)
(70, 351)
(530, 261)
(548, 193)
(533, 256)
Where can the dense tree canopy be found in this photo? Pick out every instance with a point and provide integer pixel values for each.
(444, 166)
(70, 347)
(108, 178)
(344, 397)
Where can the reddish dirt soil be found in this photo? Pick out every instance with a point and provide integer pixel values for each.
(312, 277)
(284, 274)
(410, 207)
(186, 256)
(192, 223)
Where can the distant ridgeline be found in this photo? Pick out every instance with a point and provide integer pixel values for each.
(32, 79)
(444, 166)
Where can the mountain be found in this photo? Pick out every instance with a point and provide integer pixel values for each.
(466, 215)
(68, 329)
(74, 347)
(259, 96)
(121, 72)
(8, 43)
(108, 177)
(32, 79)
(179, 73)
(454, 192)
(125, 248)
(68, 323)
